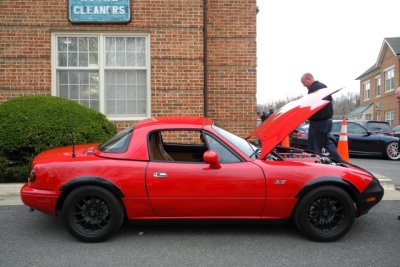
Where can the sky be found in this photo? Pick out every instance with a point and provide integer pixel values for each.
(336, 41)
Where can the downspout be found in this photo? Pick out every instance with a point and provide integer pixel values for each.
(205, 55)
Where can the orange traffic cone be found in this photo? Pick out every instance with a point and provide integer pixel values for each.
(343, 144)
(286, 142)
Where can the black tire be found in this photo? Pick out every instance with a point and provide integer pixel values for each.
(392, 151)
(325, 214)
(92, 214)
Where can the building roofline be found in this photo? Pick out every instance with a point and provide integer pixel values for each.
(394, 45)
(372, 69)
(390, 42)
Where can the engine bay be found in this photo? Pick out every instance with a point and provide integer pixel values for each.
(295, 154)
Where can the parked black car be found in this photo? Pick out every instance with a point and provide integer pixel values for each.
(377, 127)
(396, 131)
(300, 136)
(362, 141)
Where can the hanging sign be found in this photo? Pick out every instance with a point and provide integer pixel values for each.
(99, 11)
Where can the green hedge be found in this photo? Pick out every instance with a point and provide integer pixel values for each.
(32, 124)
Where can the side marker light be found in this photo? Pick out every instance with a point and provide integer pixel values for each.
(371, 199)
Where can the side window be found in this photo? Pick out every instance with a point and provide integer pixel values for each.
(354, 128)
(119, 143)
(179, 145)
(224, 154)
(336, 127)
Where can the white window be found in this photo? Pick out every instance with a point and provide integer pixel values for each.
(368, 116)
(377, 86)
(389, 80)
(106, 72)
(367, 87)
(378, 117)
(389, 117)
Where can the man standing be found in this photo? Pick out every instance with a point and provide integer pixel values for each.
(320, 122)
(271, 111)
(262, 115)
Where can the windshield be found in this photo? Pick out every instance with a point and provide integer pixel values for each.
(378, 126)
(118, 143)
(237, 141)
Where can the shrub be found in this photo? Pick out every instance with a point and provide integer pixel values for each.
(32, 124)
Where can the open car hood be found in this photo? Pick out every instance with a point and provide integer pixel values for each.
(285, 120)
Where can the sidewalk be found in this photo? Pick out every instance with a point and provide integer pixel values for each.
(390, 190)
(9, 193)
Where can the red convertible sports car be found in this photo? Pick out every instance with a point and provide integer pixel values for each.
(170, 168)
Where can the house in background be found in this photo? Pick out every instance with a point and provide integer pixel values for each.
(377, 85)
(362, 112)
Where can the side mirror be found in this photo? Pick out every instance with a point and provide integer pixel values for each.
(212, 158)
(368, 133)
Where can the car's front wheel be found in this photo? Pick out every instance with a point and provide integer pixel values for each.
(392, 151)
(92, 213)
(325, 213)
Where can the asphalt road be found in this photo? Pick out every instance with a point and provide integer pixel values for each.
(388, 168)
(35, 239)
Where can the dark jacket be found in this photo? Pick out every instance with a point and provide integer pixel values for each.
(264, 116)
(326, 112)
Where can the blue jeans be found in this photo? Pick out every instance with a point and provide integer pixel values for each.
(318, 137)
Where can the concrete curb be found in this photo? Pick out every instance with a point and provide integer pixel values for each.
(386, 183)
(12, 189)
(9, 194)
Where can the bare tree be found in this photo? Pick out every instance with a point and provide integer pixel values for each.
(342, 104)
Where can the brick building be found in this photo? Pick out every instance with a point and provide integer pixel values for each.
(166, 57)
(377, 85)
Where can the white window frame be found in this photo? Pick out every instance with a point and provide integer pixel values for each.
(378, 84)
(101, 67)
(389, 117)
(367, 90)
(391, 79)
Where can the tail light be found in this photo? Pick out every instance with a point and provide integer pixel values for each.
(32, 176)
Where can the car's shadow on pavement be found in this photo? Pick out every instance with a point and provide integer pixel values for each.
(372, 226)
(209, 228)
(51, 227)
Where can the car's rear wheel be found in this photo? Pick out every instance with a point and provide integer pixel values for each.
(92, 213)
(392, 151)
(325, 214)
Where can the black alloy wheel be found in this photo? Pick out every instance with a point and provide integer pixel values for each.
(325, 214)
(92, 214)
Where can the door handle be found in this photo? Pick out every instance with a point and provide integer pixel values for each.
(160, 174)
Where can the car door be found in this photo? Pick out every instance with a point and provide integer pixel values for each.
(360, 141)
(195, 189)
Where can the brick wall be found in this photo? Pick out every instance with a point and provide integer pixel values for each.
(386, 101)
(176, 32)
(232, 64)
